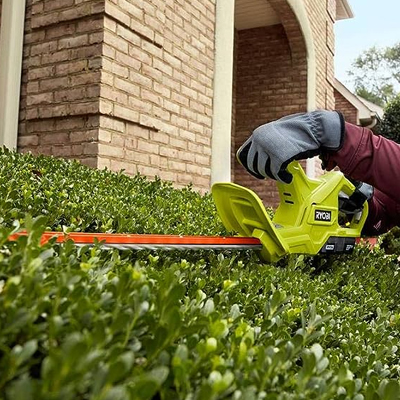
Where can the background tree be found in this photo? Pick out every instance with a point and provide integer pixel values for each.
(390, 125)
(376, 74)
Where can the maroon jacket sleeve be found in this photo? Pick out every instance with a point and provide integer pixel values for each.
(374, 160)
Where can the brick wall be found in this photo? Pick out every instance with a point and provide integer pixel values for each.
(350, 112)
(129, 84)
(322, 15)
(157, 89)
(123, 84)
(281, 56)
(271, 81)
(61, 78)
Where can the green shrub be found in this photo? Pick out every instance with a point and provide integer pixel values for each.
(87, 323)
(77, 198)
(390, 126)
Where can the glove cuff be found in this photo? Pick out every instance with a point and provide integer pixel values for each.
(342, 129)
(327, 151)
(329, 127)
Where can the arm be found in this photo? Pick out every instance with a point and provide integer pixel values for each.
(374, 160)
(368, 158)
(356, 151)
(383, 214)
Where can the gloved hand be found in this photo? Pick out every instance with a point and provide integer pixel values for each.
(353, 204)
(272, 146)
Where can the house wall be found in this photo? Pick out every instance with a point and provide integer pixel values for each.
(346, 108)
(272, 77)
(157, 89)
(271, 82)
(121, 84)
(60, 91)
(129, 84)
(322, 16)
(235, 141)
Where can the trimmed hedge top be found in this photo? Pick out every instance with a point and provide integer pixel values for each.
(76, 198)
(87, 323)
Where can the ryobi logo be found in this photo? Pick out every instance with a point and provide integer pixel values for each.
(322, 215)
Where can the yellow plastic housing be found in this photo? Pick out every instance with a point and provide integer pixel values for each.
(307, 217)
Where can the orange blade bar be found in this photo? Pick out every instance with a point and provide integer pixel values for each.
(126, 240)
(367, 241)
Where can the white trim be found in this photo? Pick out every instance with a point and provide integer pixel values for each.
(223, 87)
(365, 109)
(11, 49)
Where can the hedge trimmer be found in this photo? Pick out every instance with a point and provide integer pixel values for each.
(306, 221)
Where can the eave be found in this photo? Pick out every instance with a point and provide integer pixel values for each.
(343, 10)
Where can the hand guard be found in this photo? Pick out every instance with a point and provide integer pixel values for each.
(273, 146)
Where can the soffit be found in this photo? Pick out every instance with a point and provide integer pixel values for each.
(254, 14)
(343, 10)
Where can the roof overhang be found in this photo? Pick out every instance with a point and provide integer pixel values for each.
(368, 113)
(343, 10)
(254, 14)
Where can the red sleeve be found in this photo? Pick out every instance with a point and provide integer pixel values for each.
(383, 214)
(374, 160)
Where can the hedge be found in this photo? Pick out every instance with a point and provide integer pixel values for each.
(88, 323)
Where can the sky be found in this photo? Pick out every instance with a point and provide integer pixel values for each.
(375, 23)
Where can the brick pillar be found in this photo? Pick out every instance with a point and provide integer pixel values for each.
(121, 84)
(61, 78)
(322, 16)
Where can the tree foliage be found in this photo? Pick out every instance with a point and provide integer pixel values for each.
(376, 74)
(390, 126)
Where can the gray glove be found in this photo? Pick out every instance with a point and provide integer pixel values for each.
(272, 146)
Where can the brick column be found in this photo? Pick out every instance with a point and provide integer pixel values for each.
(61, 80)
(121, 84)
(322, 16)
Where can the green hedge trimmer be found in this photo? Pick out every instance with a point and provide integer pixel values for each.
(306, 221)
